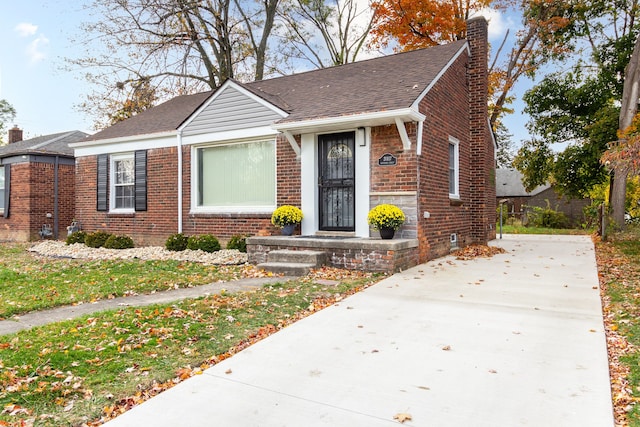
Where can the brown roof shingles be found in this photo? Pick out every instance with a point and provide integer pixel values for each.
(53, 144)
(165, 117)
(379, 84)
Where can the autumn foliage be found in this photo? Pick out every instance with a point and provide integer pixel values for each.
(415, 24)
(625, 152)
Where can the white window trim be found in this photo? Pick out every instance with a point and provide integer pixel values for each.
(4, 186)
(456, 164)
(195, 209)
(112, 182)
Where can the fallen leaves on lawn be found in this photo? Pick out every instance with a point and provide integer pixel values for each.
(613, 267)
(318, 302)
(475, 251)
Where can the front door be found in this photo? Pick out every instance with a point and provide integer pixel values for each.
(336, 154)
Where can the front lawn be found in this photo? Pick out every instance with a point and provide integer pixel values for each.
(87, 370)
(30, 283)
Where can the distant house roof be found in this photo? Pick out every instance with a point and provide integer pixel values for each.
(54, 144)
(381, 84)
(509, 184)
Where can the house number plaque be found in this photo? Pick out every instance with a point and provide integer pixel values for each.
(387, 160)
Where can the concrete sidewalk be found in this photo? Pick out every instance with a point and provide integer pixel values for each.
(39, 318)
(513, 340)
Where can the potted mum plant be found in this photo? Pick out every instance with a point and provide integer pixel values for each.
(386, 219)
(286, 217)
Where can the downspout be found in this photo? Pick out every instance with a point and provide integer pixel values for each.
(180, 181)
(55, 198)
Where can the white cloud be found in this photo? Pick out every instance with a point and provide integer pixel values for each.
(25, 29)
(499, 23)
(35, 49)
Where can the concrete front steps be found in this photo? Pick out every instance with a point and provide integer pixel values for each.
(292, 262)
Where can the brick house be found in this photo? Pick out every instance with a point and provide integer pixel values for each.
(518, 201)
(37, 182)
(409, 129)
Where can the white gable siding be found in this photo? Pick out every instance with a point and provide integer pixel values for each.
(231, 110)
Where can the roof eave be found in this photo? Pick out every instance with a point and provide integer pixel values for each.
(98, 142)
(376, 118)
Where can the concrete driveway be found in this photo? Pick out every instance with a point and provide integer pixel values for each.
(514, 340)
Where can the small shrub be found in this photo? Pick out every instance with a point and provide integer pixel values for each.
(76, 237)
(204, 242)
(547, 218)
(176, 242)
(96, 239)
(119, 242)
(239, 242)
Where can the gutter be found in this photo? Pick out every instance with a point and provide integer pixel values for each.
(180, 181)
(56, 188)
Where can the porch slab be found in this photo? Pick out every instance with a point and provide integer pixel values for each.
(353, 253)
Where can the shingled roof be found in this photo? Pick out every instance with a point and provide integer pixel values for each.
(380, 84)
(509, 184)
(53, 144)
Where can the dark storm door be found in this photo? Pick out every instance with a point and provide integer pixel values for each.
(336, 154)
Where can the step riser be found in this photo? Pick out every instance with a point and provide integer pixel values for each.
(302, 257)
(288, 269)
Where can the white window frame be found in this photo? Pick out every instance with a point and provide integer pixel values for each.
(2, 189)
(112, 182)
(195, 208)
(456, 167)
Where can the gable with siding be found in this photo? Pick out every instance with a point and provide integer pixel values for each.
(232, 108)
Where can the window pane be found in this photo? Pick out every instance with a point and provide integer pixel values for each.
(452, 169)
(124, 171)
(124, 197)
(237, 175)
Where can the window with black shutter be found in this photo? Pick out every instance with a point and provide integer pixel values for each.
(141, 180)
(102, 184)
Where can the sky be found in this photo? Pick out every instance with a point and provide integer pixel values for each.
(36, 38)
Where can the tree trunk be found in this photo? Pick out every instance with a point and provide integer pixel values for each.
(628, 110)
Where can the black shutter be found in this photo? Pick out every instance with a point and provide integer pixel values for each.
(7, 189)
(141, 180)
(102, 184)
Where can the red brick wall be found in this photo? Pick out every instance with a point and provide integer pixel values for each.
(32, 198)
(151, 227)
(483, 198)
(447, 111)
(161, 219)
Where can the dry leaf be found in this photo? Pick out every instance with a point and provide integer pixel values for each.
(402, 417)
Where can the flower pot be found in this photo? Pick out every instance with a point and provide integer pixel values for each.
(387, 233)
(288, 229)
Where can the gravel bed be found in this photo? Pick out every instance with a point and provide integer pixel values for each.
(58, 249)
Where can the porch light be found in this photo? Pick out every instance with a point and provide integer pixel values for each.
(362, 135)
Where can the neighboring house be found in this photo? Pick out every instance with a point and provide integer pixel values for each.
(510, 190)
(37, 182)
(409, 129)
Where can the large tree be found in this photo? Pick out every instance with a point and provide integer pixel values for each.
(164, 48)
(326, 32)
(623, 156)
(176, 46)
(412, 24)
(579, 109)
(7, 113)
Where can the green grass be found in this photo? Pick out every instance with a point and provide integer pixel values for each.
(29, 282)
(520, 229)
(72, 372)
(619, 268)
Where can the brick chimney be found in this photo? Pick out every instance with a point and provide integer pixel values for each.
(15, 134)
(483, 189)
